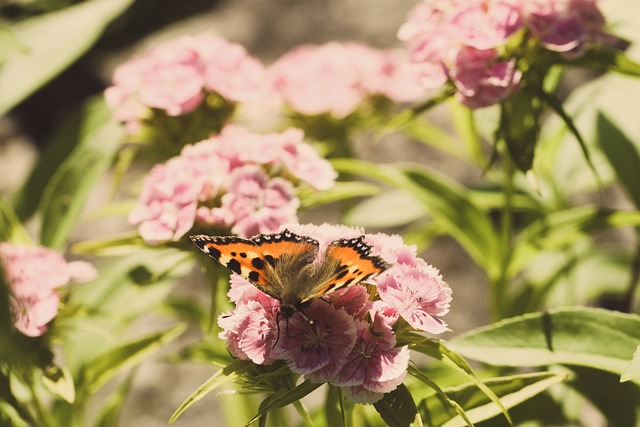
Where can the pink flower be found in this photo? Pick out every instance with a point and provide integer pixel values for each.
(418, 293)
(375, 366)
(336, 78)
(257, 203)
(168, 203)
(481, 79)
(565, 25)
(317, 342)
(176, 76)
(238, 180)
(33, 274)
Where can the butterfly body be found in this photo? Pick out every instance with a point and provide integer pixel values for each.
(285, 265)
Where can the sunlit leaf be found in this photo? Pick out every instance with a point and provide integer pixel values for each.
(633, 369)
(283, 398)
(512, 390)
(622, 154)
(576, 336)
(104, 367)
(53, 41)
(383, 210)
(65, 193)
(59, 381)
(216, 380)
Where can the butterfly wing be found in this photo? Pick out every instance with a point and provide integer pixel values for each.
(255, 259)
(350, 262)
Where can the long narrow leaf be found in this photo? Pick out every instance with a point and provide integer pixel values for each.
(53, 41)
(103, 368)
(284, 398)
(65, 194)
(221, 377)
(512, 391)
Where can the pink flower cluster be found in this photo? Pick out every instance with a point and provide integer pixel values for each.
(176, 76)
(238, 180)
(335, 78)
(352, 340)
(33, 275)
(463, 41)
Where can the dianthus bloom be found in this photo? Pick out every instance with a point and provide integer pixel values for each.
(345, 338)
(176, 76)
(33, 275)
(335, 78)
(465, 41)
(239, 181)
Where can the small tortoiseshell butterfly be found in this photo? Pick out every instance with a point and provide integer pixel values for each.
(281, 265)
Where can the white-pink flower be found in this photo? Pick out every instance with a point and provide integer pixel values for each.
(418, 293)
(177, 75)
(257, 203)
(238, 180)
(33, 275)
(375, 366)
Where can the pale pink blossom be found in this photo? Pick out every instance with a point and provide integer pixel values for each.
(33, 275)
(168, 203)
(565, 25)
(177, 75)
(257, 203)
(375, 364)
(237, 180)
(418, 293)
(481, 79)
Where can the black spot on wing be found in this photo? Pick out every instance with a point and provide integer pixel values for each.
(234, 266)
(214, 252)
(243, 254)
(254, 276)
(257, 263)
(271, 260)
(341, 274)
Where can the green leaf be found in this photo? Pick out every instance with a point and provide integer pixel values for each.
(622, 154)
(382, 211)
(221, 377)
(53, 41)
(437, 349)
(398, 409)
(124, 243)
(11, 229)
(339, 191)
(519, 126)
(59, 381)
(109, 415)
(445, 200)
(557, 229)
(576, 336)
(334, 411)
(10, 44)
(104, 367)
(65, 194)
(619, 403)
(512, 390)
(448, 403)
(633, 369)
(607, 60)
(10, 416)
(283, 398)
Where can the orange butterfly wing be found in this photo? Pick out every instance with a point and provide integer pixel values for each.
(250, 258)
(354, 265)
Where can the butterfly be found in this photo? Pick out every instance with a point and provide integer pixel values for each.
(282, 264)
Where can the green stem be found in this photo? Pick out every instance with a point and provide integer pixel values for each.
(499, 286)
(44, 418)
(303, 413)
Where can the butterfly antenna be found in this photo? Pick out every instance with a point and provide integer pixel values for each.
(278, 329)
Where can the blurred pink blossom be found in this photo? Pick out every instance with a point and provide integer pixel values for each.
(177, 75)
(238, 180)
(335, 78)
(33, 275)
